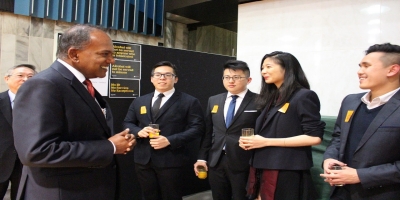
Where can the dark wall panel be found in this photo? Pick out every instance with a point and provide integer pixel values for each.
(199, 74)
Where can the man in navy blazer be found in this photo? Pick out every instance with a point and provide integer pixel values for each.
(227, 163)
(10, 165)
(63, 129)
(365, 141)
(159, 159)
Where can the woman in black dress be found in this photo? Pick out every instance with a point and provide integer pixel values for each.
(285, 131)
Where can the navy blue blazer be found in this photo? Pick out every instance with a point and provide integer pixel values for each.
(377, 157)
(61, 136)
(301, 117)
(217, 134)
(180, 120)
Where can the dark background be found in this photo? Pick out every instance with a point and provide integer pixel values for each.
(200, 75)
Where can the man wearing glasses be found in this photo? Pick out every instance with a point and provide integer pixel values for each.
(10, 165)
(159, 158)
(226, 115)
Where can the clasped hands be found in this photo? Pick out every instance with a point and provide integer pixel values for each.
(156, 141)
(346, 175)
(123, 141)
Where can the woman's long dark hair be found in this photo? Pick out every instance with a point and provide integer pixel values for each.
(294, 79)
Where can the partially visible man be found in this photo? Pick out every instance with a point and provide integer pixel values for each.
(228, 164)
(10, 165)
(365, 141)
(63, 129)
(159, 159)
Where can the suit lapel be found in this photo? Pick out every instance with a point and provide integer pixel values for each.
(168, 104)
(392, 105)
(5, 106)
(345, 126)
(221, 106)
(243, 105)
(147, 99)
(271, 113)
(82, 91)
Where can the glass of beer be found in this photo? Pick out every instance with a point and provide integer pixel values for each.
(154, 126)
(247, 132)
(202, 172)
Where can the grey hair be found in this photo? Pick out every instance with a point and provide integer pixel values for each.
(10, 70)
(78, 36)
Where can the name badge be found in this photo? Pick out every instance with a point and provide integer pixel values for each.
(143, 110)
(215, 109)
(348, 115)
(284, 108)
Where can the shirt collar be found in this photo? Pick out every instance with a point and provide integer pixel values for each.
(241, 94)
(378, 100)
(11, 95)
(166, 94)
(74, 71)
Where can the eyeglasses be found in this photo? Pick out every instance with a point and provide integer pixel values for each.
(235, 78)
(159, 75)
(22, 76)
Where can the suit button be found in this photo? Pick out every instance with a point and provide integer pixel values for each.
(114, 166)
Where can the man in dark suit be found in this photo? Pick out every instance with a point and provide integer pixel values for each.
(10, 165)
(228, 164)
(365, 141)
(63, 127)
(159, 159)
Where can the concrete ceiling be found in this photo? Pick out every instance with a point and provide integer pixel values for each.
(195, 13)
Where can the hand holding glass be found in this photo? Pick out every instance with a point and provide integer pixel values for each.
(155, 134)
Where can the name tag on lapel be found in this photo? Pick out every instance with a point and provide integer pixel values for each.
(215, 109)
(143, 110)
(284, 108)
(348, 115)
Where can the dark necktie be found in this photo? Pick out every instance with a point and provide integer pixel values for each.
(156, 105)
(89, 86)
(231, 111)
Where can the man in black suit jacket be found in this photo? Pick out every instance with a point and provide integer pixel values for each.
(63, 129)
(10, 165)
(159, 159)
(228, 164)
(365, 141)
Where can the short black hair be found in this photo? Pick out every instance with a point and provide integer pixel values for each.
(391, 51)
(165, 63)
(237, 65)
(32, 67)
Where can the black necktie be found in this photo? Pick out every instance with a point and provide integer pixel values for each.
(231, 111)
(156, 105)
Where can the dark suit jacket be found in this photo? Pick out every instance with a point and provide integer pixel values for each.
(300, 118)
(180, 120)
(61, 137)
(217, 135)
(377, 157)
(8, 155)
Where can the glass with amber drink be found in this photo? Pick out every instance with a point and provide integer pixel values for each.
(154, 134)
(202, 172)
(247, 132)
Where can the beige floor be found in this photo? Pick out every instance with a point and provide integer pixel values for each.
(7, 196)
(200, 196)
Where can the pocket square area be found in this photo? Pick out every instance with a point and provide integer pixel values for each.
(250, 111)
